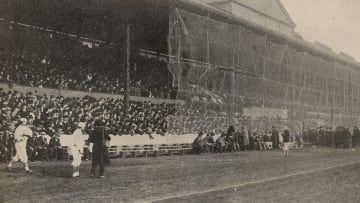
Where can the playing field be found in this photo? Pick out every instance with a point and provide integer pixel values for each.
(311, 175)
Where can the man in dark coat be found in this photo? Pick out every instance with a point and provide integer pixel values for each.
(355, 136)
(286, 140)
(55, 148)
(275, 138)
(99, 137)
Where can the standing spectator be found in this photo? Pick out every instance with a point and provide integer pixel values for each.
(9, 141)
(31, 148)
(322, 136)
(286, 140)
(245, 138)
(55, 148)
(355, 136)
(3, 149)
(99, 136)
(233, 140)
(348, 138)
(41, 148)
(252, 140)
(275, 138)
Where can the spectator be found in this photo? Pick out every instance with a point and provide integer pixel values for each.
(275, 138)
(198, 145)
(286, 141)
(245, 138)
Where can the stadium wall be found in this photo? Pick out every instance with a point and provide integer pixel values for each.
(236, 61)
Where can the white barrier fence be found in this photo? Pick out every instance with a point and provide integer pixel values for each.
(116, 140)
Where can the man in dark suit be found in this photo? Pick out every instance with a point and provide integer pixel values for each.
(55, 148)
(275, 138)
(99, 137)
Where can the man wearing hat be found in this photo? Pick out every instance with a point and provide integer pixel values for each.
(286, 140)
(100, 136)
(275, 137)
(22, 133)
(55, 147)
(77, 148)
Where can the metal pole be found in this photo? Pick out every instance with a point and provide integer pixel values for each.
(333, 108)
(127, 80)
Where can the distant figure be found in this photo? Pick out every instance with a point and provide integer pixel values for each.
(286, 140)
(355, 136)
(198, 144)
(245, 138)
(275, 138)
(21, 135)
(210, 142)
(221, 144)
(232, 139)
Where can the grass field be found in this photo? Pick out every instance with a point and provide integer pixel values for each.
(311, 175)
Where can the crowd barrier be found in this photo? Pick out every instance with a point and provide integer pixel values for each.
(140, 144)
(116, 140)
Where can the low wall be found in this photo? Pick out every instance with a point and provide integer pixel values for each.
(116, 140)
(67, 140)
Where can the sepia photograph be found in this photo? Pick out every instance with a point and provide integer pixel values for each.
(179, 101)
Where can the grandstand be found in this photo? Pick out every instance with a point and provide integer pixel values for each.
(217, 65)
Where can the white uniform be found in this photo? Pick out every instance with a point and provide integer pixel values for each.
(21, 133)
(77, 147)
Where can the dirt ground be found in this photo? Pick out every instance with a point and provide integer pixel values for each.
(310, 175)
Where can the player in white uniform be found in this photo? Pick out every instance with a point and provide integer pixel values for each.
(21, 135)
(77, 149)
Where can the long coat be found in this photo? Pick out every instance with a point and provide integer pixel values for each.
(245, 137)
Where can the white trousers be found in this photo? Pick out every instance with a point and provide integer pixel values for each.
(76, 152)
(20, 152)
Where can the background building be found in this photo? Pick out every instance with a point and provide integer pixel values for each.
(268, 13)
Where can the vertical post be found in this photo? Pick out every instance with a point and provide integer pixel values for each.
(333, 107)
(264, 71)
(233, 86)
(127, 80)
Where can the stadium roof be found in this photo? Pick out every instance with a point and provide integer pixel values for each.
(272, 8)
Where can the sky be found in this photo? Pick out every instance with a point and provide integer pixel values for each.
(335, 23)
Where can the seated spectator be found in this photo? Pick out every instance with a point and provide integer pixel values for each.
(221, 144)
(210, 142)
(198, 145)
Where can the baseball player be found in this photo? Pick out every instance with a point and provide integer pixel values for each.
(22, 133)
(77, 149)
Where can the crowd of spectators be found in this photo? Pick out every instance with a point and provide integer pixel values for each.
(43, 72)
(56, 115)
(51, 116)
(243, 139)
(340, 137)
(249, 139)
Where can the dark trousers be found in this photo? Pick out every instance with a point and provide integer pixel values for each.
(97, 159)
(10, 153)
(87, 154)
